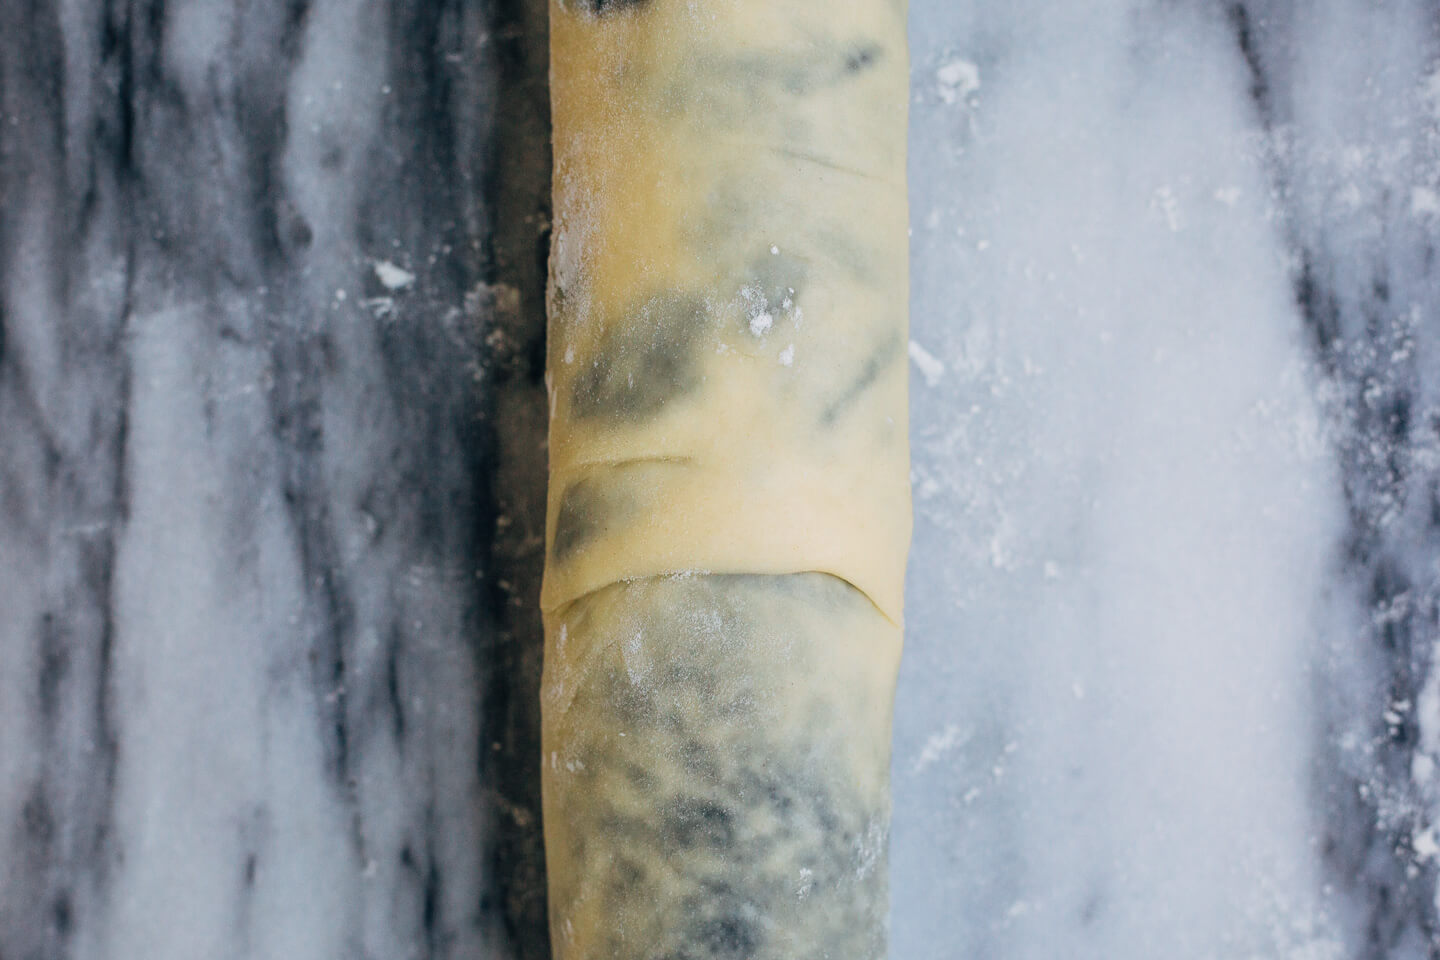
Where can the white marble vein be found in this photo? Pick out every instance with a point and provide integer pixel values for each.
(1167, 525)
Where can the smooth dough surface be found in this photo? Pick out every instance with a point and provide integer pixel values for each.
(729, 503)
(729, 292)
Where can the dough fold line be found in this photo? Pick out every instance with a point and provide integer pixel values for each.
(560, 610)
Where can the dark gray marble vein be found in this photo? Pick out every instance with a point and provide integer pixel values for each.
(269, 572)
(1365, 281)
(64, 300)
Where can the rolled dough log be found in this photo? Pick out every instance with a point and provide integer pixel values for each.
(729, 502)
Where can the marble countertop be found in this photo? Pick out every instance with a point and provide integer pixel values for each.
(272, 481)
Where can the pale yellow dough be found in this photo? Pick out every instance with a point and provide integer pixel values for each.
(692, 139)
(729, 506)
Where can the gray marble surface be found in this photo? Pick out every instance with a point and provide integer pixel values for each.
(272, 480)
